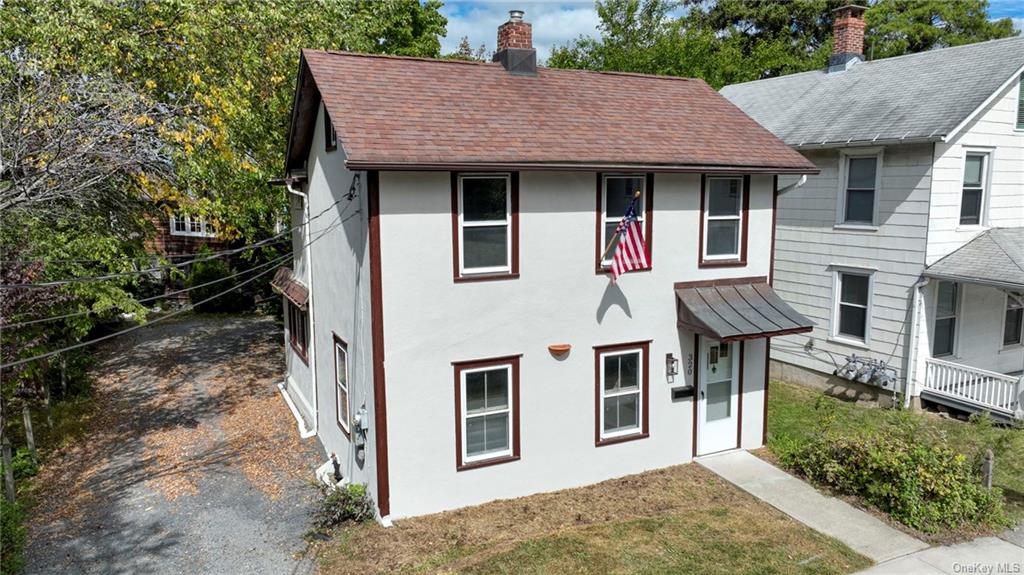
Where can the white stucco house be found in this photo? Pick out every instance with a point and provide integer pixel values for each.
(454, 336)
(908, 247)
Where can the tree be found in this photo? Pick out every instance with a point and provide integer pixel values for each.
(466, 52)
(897, 27)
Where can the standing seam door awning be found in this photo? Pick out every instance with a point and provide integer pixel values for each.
(284, 283)
(736, 312)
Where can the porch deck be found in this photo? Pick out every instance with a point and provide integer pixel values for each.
(974, 390)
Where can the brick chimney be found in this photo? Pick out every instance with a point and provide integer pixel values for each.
(515, 46)
(847, 37)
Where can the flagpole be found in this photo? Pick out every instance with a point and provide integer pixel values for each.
(611, 240)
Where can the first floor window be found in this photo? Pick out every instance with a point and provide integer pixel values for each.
(622, 385)
(487, 397)
(617, 191)
(1013, 326)
(860, 188)
(485, 223)
(723, 216)
(972, 199)
(946, 296)
(341, 381)
(854, 308)
(298, 328)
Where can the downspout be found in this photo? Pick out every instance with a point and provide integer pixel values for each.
(915, 323)
(307, 256)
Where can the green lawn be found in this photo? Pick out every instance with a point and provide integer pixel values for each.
(682, 519)
(792, 417)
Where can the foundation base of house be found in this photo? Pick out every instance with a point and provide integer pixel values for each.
(831, 385)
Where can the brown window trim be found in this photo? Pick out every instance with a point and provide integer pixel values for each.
(337, 399)
(300, 350)
(648, 221)
(645, 357)
(460, 366)
(456, 243)
(330, 135)
(744, 226)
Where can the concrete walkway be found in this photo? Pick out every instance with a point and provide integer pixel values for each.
(859, 530)
(985, 555)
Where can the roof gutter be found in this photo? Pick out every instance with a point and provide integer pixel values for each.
(979, 281)
(573, 167)
(866, 143)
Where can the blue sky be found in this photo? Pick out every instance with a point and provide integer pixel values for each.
(559, 22)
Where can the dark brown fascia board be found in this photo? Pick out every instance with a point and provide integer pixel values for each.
(568, 166)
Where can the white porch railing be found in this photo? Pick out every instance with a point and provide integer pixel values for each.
(987, 389)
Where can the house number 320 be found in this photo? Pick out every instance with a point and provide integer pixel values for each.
(689, 364)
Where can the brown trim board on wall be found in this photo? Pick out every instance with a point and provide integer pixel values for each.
(380, 415)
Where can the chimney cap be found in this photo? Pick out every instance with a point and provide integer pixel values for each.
(855, 9)
(515, 15)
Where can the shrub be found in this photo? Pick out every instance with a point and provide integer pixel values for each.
(341, 504)
(211, 270)
(22, 464)
(923, 484)
(12, 537)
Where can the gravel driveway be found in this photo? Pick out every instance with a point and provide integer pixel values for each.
(192, 463)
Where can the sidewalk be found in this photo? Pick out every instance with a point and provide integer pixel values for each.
(859, 530)
(983, 555)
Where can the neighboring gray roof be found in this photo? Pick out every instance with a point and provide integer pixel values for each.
(917, 97)
(995, 257)
(735, 312)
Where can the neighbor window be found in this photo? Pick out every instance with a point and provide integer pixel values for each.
(861, 181)
(622, 387)
(854, 308)
(1020, 105)
(298, 329)
(946, 296)
(616, 193)
(972, 199)
(485, 224)
(1013, 326)
(723, 218)
(191, 226)
(341, 381)
(487, 396)
(330, 135)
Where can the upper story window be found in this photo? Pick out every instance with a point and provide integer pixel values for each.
(1013, 324)
(487, 207)
(853, 306)
(330, 135)
(341, 383)
(298, 329)
(946, 300)
(1020, 104)
(860, 190)
(191, 226)
(487, 401)
(622, 392)
(972, 200)
(617, 191)
(724, 219)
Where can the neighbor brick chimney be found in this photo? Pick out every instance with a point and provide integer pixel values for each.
(515, 45)
(847, 37)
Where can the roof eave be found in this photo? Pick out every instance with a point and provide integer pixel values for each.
(866, 143)
(974, 280)
(575, 167)
(991, 97)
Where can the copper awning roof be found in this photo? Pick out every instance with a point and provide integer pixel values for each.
(738, 311)
(284, 283)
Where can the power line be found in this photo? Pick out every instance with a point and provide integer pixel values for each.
(215, 255)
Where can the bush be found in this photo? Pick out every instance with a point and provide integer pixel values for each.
(921, 483)
(12, 537)
(22, 464)
(211, 270)
(341, 504)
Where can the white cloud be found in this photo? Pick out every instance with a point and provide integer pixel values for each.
(1018, 23)
(553, 22)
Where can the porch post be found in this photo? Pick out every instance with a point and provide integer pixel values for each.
(1019, 393)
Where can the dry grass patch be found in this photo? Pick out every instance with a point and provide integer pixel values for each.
(680, 519)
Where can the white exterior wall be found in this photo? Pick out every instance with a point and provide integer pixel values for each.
(810, 246)
(299, 379)
(430, 321)
(993, 130)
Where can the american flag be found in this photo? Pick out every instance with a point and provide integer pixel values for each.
(630, 253)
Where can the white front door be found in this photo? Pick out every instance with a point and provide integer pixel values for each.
(718, 388)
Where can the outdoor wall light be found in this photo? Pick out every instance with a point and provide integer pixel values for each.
(671, 365)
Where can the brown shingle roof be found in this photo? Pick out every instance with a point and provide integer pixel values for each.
(394, 112)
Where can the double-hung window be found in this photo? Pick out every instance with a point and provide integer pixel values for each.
(1013, 324)
(946, 300)
(485, 224)
(191, 226)
(972, 201)
(860, 189)
(617, 191)
(723, 218)
(621, 392)
(853, 310)
(487, 400)
(341, 383)
(298, 329)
